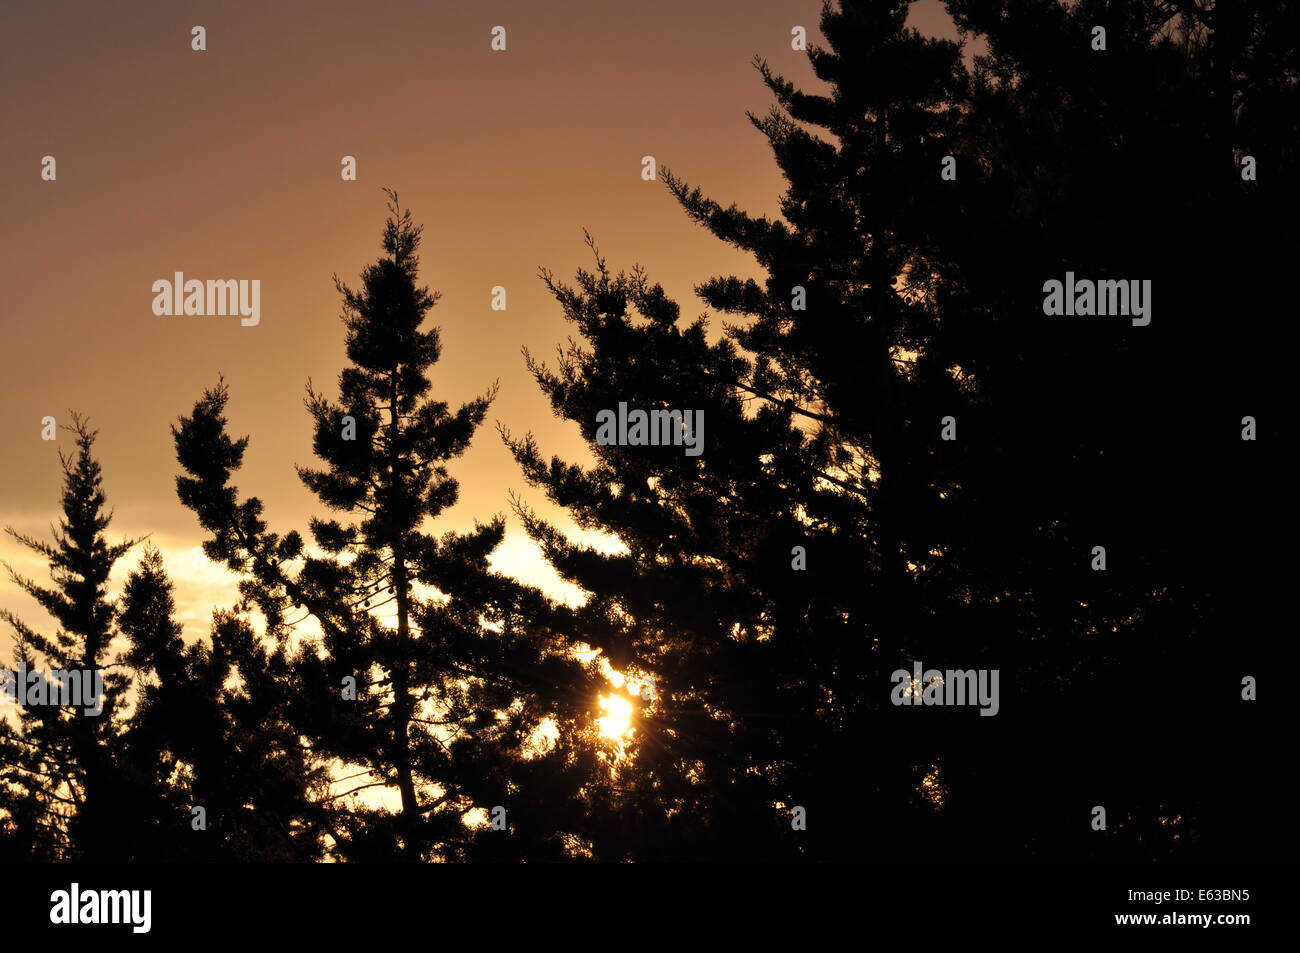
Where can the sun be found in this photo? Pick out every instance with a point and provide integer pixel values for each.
(617, 720)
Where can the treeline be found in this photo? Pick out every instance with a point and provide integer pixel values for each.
(905, 459)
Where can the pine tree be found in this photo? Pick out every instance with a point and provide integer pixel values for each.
(444, 698)
(62, 792)
(923, 312)
(193, 742)
(846, 329)
(834, 459)
(119, 786)
(1129, 163)
(704, 606)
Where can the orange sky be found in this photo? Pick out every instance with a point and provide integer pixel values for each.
(225, 164)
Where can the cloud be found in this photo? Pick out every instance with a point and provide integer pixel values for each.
(200, 584)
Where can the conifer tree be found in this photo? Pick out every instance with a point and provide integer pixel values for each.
(963, 451)
(443, 697)
(62, 791)
(194, 741)
(121, 785)
(704, 609)
(1130, 162)
(837, 346)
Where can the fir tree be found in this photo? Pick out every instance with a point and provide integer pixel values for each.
(922, 301)
(195, 741)
(62, 792)
(454, 684)
(1128, 163)
(704, 603)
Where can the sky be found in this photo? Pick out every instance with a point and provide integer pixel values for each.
(225, 164)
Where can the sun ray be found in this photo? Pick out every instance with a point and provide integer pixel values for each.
(617, 720)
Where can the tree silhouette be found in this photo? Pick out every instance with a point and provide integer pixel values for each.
(61, 788)
(196, 742)
(923, 312)
(701, 602)
(1128, 163)
(906, 458)
(120, 786)
(453, 690)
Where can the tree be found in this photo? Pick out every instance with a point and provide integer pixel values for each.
(446, 701)
(1128, 163)
(61, 790)
(825, 457)
(119, 785)
(900, 304)
(703, 606)
(195, 741)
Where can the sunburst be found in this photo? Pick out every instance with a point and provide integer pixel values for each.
(616, 722)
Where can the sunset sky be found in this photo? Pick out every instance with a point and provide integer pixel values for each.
(225, 164)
